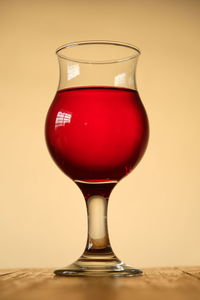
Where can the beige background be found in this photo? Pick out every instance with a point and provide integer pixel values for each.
(154, 213)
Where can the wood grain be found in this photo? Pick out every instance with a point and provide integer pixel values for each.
(40, 284)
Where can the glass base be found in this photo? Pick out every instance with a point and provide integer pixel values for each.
(112, 268)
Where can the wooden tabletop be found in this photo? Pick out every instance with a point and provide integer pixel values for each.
(40, 284)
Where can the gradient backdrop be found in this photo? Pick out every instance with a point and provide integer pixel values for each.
(154, 213)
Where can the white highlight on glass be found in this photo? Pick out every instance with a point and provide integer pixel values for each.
(73, 70)
(120, 79)
(62, 118)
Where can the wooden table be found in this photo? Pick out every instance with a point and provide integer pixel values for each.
(40, 284)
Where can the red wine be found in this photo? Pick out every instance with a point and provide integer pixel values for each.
(96, 134)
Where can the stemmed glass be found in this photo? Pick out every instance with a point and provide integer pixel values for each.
(96, 132)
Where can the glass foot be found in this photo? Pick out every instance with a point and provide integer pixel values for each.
(81, 268)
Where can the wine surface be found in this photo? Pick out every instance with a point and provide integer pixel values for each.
(96, 134)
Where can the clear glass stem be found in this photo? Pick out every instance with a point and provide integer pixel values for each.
(98, 248)
(98, 258)
(98, 239)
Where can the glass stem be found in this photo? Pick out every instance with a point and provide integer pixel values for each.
(98, 257)
(98, 246)
(98, 239)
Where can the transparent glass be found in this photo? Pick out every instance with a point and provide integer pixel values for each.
(96, 132)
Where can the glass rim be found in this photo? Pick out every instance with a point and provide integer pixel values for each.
(136, 50)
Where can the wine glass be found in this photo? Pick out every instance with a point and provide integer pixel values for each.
(96, 132)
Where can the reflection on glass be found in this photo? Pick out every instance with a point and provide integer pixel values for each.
(73, 70)
(120, 79)
(62, 119)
